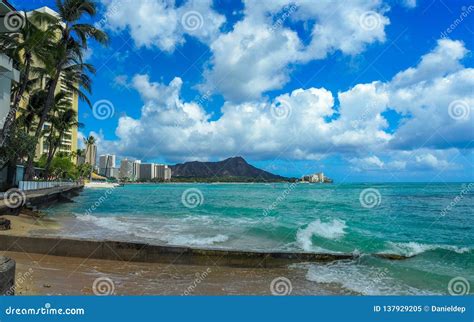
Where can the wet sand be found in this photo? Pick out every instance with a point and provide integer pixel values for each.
(25, 225)
(38, 274)
(53, 275)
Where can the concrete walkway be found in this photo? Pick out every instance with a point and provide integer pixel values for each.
(35, 197)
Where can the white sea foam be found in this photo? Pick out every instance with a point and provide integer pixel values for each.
(363, 279)
(329, 230)
(192, 240)
(105, 222)
(170, 233)
(414, 248)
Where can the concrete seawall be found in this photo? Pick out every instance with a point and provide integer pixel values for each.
(138, 252)
(39, 198)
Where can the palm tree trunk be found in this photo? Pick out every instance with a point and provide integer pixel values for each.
(29, 173)
(11, 173)
(51, 152)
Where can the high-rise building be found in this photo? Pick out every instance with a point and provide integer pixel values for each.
(315, 178)
(162, 172)
(113, 173)
(106, 164)
(8, 74)
(91, 155)
(126, 169)
(147, 171)
(136, 170)
(167, 174)
(69, 140)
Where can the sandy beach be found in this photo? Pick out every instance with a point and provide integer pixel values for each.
(39, 274)
(53, 275)
(25, 225)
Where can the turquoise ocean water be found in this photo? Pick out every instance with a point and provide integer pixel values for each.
(435, 222)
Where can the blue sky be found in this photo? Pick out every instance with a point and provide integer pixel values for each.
(362, 90)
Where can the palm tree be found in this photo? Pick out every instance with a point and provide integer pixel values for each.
(78, 154)
(30, 113)
(65, 63)
(27, 47)
(61, 122)
(89, 142)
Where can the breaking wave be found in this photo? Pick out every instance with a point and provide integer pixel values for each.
(334, 229)
(171, 235)
(414, 248)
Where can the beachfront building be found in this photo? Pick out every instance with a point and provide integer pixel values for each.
(126, 169)
(113, 173)
(167, 174)
(147, 171)
(162, 172)
(315, 178)
(91, 155)
(69, 140)
(8, 74)
(106, 163)
(136, 170)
